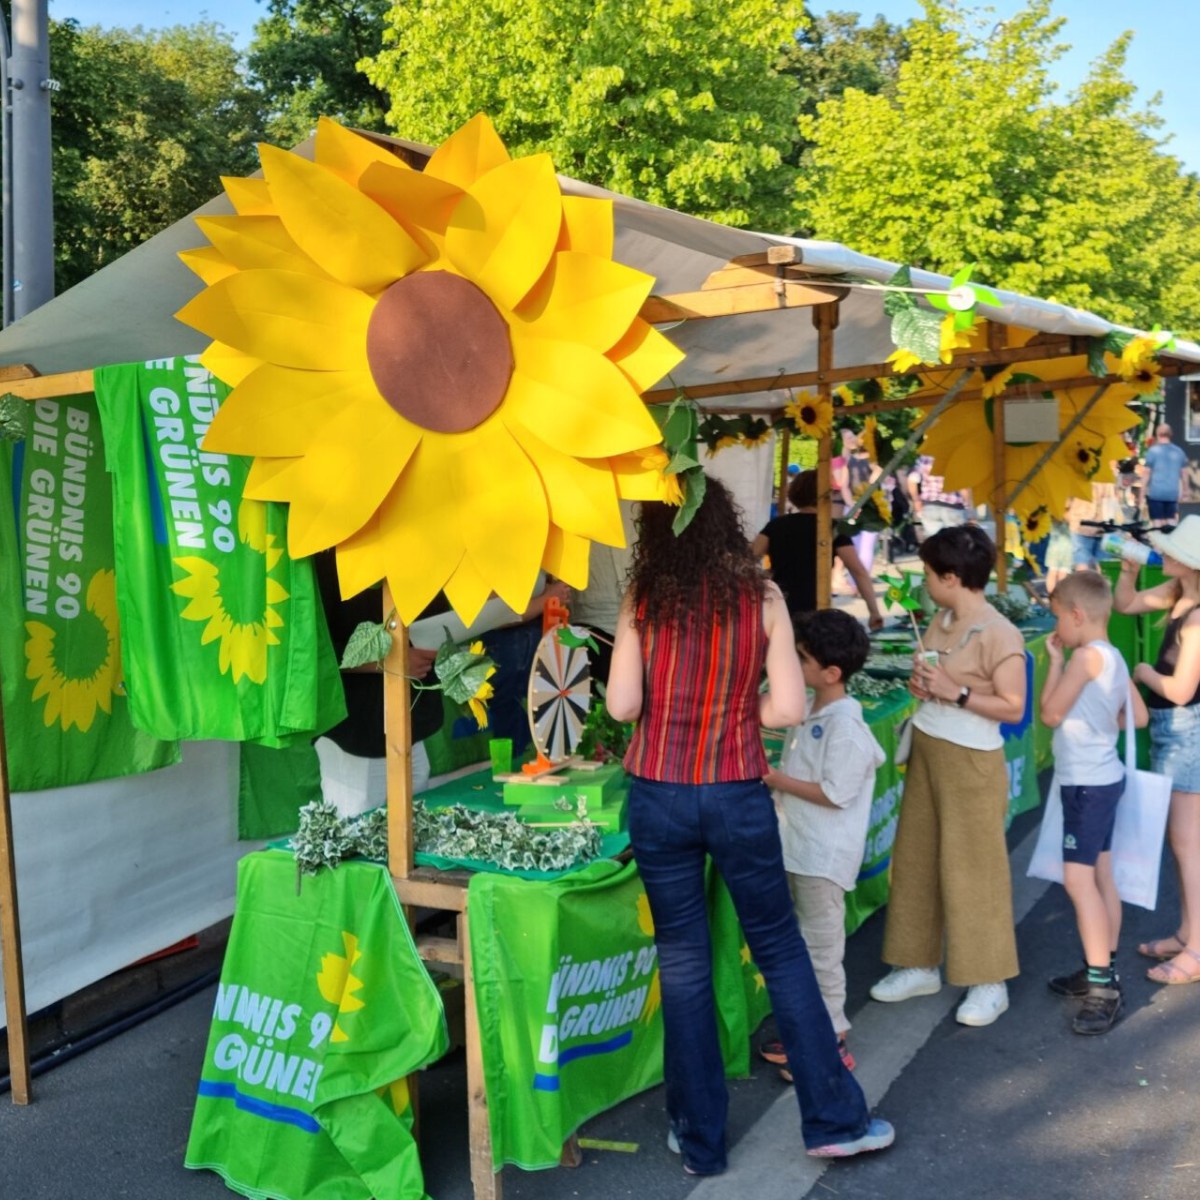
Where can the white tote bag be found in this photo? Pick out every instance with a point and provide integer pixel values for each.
(1138, 832)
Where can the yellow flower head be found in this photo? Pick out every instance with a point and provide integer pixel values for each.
(998, 382)
(440, 371)
(951, 338)
(810, 415)
(672, 490)
(1144, 379)
(903, 360)
(1036, 525)
(478, 702)
(1139, 353)
(847, 395)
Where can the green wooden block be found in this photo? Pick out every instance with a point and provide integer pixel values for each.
(596, 788)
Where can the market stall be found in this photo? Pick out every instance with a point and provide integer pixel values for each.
(752, 317)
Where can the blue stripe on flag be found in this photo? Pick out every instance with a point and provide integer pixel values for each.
(550, 1083)
(258, 1108)
(877, 869)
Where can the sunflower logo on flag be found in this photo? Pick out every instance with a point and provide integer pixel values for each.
(244, 635)
(73, 700)
(338, 983)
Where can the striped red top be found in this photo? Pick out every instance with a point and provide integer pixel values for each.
(699, 721)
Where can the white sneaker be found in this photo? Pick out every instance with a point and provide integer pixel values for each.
(983, 1003)
(903, 983)
(672, 1141)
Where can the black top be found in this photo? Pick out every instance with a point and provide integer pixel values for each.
(362, 732)
(793, 553)
(1168, 657)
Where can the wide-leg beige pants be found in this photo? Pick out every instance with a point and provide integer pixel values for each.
(951, 883)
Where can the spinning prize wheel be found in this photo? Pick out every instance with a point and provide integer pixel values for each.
(560, 694)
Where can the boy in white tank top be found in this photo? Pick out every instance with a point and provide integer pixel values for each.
(1084, 703)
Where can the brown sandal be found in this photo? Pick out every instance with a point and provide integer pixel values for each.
(1162, 948)
(1172, 974)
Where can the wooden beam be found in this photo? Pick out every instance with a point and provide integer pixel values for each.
(1058, 348)
(769, 296)
(997, 499)
(16, 371)
(39, 387)
(485, 1180)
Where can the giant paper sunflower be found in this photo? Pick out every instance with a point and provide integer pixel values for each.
(960, 441)
(439, 370)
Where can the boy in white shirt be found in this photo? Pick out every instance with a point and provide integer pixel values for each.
(1084, 703)
(823, 792)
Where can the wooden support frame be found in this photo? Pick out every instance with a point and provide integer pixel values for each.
(825, 319)
(10, 944)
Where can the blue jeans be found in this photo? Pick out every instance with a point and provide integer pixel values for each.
(673, 827)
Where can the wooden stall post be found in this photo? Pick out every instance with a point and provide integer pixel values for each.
(998, 499)
(825, 318)
(397, 720)
(10, 943)
(785, 448)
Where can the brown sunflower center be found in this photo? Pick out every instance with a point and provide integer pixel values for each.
(439, 352)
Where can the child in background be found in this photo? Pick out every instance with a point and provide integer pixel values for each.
(1084, 703)
(823, 794)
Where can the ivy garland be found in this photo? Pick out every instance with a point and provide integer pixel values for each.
(325, 838)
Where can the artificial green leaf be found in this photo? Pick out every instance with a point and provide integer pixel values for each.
(1095, 357)
(694, 484)
(918, 331)
(369, 643)
(898, 302)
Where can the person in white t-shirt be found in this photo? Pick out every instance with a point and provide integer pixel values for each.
(823, 791)
(1084, 703)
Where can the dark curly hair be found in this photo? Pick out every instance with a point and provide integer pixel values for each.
(710, 558)
(834, 639)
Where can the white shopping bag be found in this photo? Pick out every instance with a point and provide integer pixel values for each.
(1138, 834)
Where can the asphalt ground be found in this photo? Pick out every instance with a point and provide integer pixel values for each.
(1021, 1108)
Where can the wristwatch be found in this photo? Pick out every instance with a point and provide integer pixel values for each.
(964, 694)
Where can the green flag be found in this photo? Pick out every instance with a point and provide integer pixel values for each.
(567, 999)
(224, 633)
(67, 720)
(322, 1011)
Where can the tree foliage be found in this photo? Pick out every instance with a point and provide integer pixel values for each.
(678, 102)
(142, 130)
(303, 58)
(971, 158)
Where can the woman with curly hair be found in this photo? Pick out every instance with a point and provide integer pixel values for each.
(697, 627)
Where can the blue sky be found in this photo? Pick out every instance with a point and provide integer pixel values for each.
(1161, 59)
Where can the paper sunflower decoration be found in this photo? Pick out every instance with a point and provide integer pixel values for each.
(439, 371)
(961, 458)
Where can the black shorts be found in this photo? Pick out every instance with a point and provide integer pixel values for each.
(1162, 510)
(1089, 813)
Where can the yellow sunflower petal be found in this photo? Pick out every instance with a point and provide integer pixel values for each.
(586, 298)
(645, 355)
(280, 412)
(587, 226)
(582, 495)
(566, 557)
(250, 243)
(467, 590)
(505, 532)
(468, 153)
(344, 231)
(262, 479)
(230, 366)
(576, 399)
(285, 317)
(420, 202)
(358, 562)
(635, 480)
(416, 545)
(323, 513)
(503, 231)
(207, 262)
(250, 197)
(348, 154)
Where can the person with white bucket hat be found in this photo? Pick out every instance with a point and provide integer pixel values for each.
(1173, 696)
